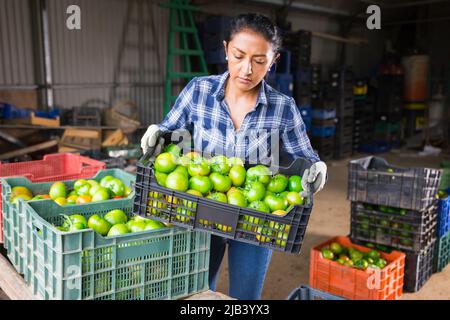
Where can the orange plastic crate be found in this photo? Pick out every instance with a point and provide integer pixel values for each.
(352, 283)
(53, 167)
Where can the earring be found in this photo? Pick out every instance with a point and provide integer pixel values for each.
(226, 57)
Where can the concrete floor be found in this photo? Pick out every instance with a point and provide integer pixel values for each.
(331, 217)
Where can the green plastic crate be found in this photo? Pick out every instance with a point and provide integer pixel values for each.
(167, 263)
(14, 217)
(445, 178)
(442, 256)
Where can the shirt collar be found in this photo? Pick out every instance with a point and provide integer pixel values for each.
(219, 92)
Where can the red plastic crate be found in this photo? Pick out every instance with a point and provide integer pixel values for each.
(53, 167)
(351, 283)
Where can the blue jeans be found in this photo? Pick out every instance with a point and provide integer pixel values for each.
(247, 265)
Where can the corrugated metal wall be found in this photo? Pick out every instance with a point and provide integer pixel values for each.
(122, 43)
(16, 54)
(119, 53)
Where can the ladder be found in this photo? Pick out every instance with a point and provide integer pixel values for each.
(181, 23)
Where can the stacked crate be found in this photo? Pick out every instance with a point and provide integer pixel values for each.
(281, 78)
(396, 207)
(323, 128)
(363, 117)
(299, 43)
(389, 109)
(442, 256)
(212, 33)
(340, 88)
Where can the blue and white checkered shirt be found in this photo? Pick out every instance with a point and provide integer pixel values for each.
(275, 121)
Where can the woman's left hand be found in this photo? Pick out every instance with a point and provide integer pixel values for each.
(316, 176)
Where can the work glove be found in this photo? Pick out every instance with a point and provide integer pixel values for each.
(151, 139)
(315, 176)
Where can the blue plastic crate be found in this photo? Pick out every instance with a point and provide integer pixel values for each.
(308, 293)
(323, 131)
(324, 114)
(283, 64)
(285, 83)
(9, 111)
(282, 82)
(444, 216)
(48, 114)
(306, 112)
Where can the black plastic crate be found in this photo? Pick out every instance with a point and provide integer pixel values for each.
(373, 180)
(418, 268)
(326, 155)
(84, 117)
(308, 293)
(282, 233)
(323, 143)
(398, 228)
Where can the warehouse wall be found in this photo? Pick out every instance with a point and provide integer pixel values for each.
(16, 54)
(121, 43)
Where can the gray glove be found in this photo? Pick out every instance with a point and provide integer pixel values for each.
(316, 175)
(151, 138)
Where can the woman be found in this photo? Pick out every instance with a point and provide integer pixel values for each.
(239, 112)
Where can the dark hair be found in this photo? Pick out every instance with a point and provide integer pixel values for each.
(257, 23)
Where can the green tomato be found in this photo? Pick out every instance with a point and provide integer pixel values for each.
(101, 194)
(295, 184)
(259, 206)
(294, 197)
(218, 196)
(177, 181)
(278, 183)
(260, 173)
(161, 178)
(254, 190)
(173, 149)
(275, 202)
(137, 226)
(58, 190)
(152, 225)
(118, 230)
(99, 225)
(78, 184)
(104, 182)
(182, 170)
(220, 182)
(74, 218)
(201, 184)
(198, 167)
(116, 187)
(84, 190)
(237, 198)
(237, 175)
(116, 216)
(220, 165)
(165, 162)
(76, 227)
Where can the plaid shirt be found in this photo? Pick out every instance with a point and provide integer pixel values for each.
(275, 121)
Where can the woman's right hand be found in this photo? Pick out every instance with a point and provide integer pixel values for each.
(150, 138)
